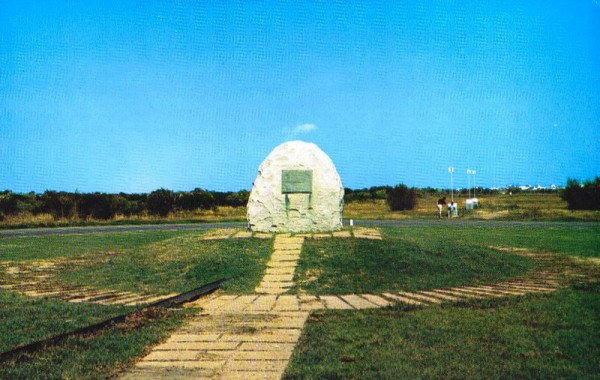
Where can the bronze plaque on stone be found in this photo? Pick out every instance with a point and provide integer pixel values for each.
(296, 181)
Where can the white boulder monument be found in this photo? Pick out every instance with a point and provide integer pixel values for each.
(297, 189)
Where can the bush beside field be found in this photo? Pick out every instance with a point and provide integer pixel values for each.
(582, 196)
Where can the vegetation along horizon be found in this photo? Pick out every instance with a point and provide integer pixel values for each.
(576, 201)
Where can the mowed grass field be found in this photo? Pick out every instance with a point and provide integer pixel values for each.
(343, 266)
(159, 262)
(101, 355)
(554, 335)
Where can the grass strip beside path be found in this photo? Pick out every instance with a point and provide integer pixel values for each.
(342, 266)
(103, 354)
(73, 245)
(537, 336)
(583, 241)
(146, 262)
(180, 264)
(24, 320)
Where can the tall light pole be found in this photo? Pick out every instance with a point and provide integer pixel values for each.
(451, 170)
(469, 171)
(474, 187)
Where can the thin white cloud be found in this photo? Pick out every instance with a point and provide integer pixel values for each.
(304, 128)
(300, 129)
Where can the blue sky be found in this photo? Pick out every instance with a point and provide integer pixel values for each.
(132, 96)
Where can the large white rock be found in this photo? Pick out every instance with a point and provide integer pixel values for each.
(306, 207)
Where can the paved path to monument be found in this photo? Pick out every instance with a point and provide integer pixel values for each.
(253, 336)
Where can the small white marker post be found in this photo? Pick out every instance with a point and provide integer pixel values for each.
(351, 222)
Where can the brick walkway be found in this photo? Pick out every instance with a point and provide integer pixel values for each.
(237, 337)
(253, 336)
(279, 274)
(37, 278)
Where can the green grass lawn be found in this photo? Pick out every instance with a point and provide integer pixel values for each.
(547, 336)
(583, 241)
(149, 261)
(541, 336)
(24, 320)
(72, 245)
(160, 262)
(537, 336)
(179, 264)
(342, 266)
(427, 257)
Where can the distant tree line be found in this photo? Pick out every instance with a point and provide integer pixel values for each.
(370, 194)
(160, 202)
(582, 196)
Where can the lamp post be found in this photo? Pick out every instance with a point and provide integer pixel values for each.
(469, 171)
(474, 187)
(451, 170)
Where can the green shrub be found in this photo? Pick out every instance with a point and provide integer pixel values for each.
(401, 198)
(58, 204)
(197, 199)
(585, 196)
(96, 205)
(161, 202)
(8, 203)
